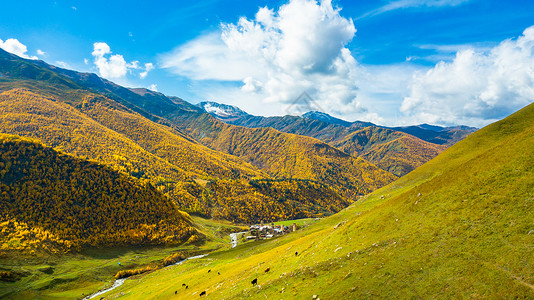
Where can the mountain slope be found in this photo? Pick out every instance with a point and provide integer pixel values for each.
(324, 117)
(223, 112)
(393, 151)
(285, 155)
(300, 157)
(459, 226)
(150, 152)
(54, 202)
(438, 135)
(118, 131)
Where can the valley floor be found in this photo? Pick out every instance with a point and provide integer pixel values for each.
(74, 276)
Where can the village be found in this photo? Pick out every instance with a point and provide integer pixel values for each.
(262, 231)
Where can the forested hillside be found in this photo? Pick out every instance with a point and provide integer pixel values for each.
(270, 150)
(54, 202)
(394, 151)
(285, 155)
(42, 104)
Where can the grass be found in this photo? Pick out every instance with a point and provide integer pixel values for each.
(460, 226)
(299, 222)
(75, 275)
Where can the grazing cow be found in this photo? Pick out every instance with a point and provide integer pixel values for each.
(267, 270)
(296, 253)
(209, 271)
(183, 284)
(218, 273)
(203, 293)
(175, 292)
(186, 287)
(254, 282)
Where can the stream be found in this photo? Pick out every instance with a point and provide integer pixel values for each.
(119, 282)
(233, 238)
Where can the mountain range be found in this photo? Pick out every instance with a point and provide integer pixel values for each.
(398, 150)
(151, 137)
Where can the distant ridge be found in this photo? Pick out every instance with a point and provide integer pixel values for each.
(320, 116)
(222, 112)
(398, 150)
(430, 133)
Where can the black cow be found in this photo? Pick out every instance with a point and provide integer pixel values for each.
(203, 293)
(183, 284)
(296, 253)
(218, 273)
(267, 270)
(175, 292)
(209, 271)
(254, 282)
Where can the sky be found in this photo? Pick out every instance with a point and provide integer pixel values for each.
(396, 62)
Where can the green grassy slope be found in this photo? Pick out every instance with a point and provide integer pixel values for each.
(460, 226)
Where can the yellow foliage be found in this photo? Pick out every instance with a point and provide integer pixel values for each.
(73, 203)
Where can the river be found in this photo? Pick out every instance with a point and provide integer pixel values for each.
(233, 238)
(119, 282)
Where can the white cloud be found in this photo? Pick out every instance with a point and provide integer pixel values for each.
(63, 64)
(278, 55)
(251, 85)
(153, 87)
(40, 52)
(15, 47)
(148, 67)
(86, 61)
(113, 66)
(402, 4)
(477, 87)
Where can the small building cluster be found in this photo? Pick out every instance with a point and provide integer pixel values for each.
(262, 231)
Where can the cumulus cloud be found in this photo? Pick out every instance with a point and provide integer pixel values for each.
(153, 87)
(148, 67)
(40, 52)
(477, 87)
(115, 66)
(15, 47)
(279, 54)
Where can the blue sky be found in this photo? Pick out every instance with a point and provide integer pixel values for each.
(390, 62)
